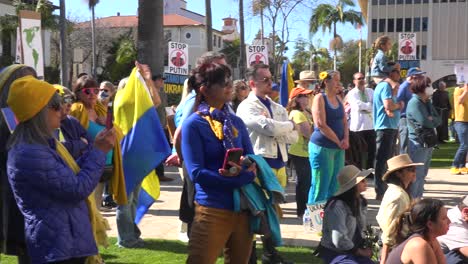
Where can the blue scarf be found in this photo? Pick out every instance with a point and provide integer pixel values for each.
(220, 122)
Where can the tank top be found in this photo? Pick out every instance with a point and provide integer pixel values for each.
(395, 255)
(334, 118)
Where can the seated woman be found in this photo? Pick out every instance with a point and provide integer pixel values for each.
(50, 188)
(399, 177)
(345, 220)
(206, 136)
(426, 220)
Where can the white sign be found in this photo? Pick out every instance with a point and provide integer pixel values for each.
(19, 52)
(257, 54)
(407, 46)
(31, 41)
(461, 71)
(178, 58)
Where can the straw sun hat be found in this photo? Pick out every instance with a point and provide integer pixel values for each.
(350, 176)
(306, 76)
(399, 162)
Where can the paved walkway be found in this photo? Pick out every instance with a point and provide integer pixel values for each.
(162, 220)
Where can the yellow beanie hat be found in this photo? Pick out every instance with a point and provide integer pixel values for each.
(28, 96)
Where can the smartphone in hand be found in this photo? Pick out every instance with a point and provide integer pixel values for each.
(233, 155)
(110, 116)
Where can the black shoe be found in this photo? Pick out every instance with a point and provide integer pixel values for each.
(109, 204)
(274, 259)
(165, 179)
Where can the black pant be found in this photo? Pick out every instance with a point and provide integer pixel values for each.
(370, 137)
(160, 170)
(303, 172)
(71, 261)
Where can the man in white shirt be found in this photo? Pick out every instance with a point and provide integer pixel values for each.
(360, 100)
(455, 242)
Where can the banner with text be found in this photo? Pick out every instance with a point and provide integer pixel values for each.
(407, 46)
(178, 58)
(257, 54)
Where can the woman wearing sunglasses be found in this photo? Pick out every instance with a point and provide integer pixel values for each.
(92, 116)
(399, 177)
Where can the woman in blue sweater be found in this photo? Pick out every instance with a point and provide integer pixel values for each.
(206, 136)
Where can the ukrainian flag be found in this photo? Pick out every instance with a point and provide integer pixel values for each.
(286, 83)
(144, 145)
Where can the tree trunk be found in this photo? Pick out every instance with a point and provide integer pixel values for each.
(209, 28)
(242, 40)
(334, 47)
(150, 44)
(63, 46)
(93, 44)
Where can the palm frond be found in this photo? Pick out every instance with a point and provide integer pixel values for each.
(92, 3)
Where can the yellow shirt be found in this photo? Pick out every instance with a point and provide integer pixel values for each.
(461, 110)
(300, 148)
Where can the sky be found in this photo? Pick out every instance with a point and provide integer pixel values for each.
(298, 20)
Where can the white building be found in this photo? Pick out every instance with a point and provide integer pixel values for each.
(441, 28)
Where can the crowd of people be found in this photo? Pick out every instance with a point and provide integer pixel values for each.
(62, 164)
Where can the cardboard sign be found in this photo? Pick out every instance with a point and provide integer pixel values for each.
(406, 65)
(178, 58)
(407, 46)
(461, 71)
(31, 41)
(174, 83)
(257, 54)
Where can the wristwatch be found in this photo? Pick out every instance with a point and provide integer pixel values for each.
(233, 170)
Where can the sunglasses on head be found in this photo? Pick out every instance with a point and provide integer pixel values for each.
(89, 91)
(67, 100)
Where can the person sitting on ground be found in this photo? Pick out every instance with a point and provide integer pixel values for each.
(344, 220)
(426, 220)
(401, 173)
(52, 191)
(455, 242)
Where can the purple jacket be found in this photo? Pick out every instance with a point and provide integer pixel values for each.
(52, 200)
(73, 132)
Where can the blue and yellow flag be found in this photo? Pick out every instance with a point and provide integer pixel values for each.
(144, 145)
(286, 84)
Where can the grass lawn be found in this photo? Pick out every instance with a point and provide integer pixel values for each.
(443, 157)
(170, 251)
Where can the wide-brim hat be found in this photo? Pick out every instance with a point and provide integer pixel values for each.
(306, 76)
(349, 176)
(397, 163)
(297, 91)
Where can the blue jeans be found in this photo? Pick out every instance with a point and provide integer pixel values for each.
(128, 232)
(419, 154)
(385, 142)
(460, 157)
(403, 130)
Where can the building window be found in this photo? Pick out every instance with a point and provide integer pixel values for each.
(382, 2)
(425, 1)
(375, 2)
(425, 24)
(214, 40)
(390, 25)
(391, 2)
(417, 51)
(417, 1)
(188, 35)
(453, 1)
(435, 1)
(408, 2)
(408, 25)
(374, 25)
(417, 24)
(382, 25)
(399, 2)
(443, 1)
(423, 52)
(399, 25)
(219, 42)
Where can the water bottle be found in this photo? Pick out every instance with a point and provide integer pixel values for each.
(307, 221)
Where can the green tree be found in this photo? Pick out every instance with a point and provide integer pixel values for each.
(122, 55)
(348, 61)
(326, 16)
(305, 53)
(231, 50)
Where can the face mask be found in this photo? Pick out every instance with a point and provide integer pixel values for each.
(429, 91)
(103, 95)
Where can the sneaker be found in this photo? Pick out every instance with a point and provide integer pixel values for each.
(463, 170)
(455, 171)
(183, 237)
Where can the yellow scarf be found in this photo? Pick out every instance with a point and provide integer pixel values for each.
(98, 223)
(117, 181)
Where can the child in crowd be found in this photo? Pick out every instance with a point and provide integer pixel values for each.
(380, 66)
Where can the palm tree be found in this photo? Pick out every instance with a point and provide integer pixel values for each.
(92, 4)
(151, 34)
(326, 16)
(242, 39)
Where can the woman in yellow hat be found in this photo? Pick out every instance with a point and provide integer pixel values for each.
(12, 241)
(50, 188)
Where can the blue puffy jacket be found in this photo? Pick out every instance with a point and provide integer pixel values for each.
(52, 200)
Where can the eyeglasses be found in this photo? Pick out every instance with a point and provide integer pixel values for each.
(67, 100)
(89, 91)
(266, 80)
(360, 78)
